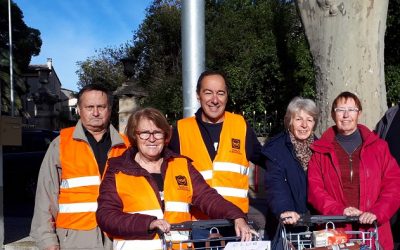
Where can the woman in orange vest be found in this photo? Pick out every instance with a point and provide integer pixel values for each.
(149, 187)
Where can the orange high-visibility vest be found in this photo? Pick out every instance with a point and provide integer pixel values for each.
(178, 193)
(229, 171)
(80, 180)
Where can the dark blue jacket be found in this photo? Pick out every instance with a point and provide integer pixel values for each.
(286, 181)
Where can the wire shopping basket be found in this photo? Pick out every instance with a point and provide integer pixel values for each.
(181, 235)
(298, 240)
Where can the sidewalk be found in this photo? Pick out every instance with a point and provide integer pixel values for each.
(16, 233)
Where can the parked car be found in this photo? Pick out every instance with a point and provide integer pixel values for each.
(21, 166)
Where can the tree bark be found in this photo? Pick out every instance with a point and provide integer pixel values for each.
(346, 40)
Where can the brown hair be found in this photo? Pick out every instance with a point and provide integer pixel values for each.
(345, 95)
(151, 114)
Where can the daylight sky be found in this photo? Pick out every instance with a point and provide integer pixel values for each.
(72, 30)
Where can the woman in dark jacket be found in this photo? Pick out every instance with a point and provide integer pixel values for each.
(287, 155)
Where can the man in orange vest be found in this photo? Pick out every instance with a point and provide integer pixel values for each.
(70, 175)
(220, 143)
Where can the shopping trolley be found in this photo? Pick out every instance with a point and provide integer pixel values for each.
(303, 240)
(214, 241)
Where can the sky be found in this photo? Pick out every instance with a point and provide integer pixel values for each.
(72, 30)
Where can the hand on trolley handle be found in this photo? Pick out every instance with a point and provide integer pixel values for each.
(307, 220)
(243, 230)
(242, 227)
(160, 225)
(289, 217)
(364, 217)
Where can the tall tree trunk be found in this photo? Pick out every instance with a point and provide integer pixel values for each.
(346, 40)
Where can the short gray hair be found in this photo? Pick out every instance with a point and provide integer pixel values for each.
(296, 105)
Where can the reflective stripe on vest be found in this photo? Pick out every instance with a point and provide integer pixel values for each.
(173, 206)
(80, 180)
(155, 244)
(78, 207)
(230, 168)
(178, 192)
(234, 192)
(155, 212)
(207, 174)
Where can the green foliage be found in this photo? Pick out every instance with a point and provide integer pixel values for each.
(262, 48)
(105, 68)
(392, 75)
(26, 43)
(392, 53)
(259, 44)
(157, 55)
(240, 43)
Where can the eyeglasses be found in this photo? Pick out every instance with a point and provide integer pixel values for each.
(343, 110)
(145, 135)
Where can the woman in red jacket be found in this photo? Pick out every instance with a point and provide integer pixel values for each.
(352, 171)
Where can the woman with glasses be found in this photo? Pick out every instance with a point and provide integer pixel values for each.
(149, 187)
(352, 172)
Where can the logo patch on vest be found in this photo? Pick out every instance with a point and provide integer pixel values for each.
(182, 182)
(235, 145)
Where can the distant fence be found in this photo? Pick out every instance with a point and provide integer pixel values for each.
(263, 124)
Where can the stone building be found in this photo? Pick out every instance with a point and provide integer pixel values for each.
(47, 105)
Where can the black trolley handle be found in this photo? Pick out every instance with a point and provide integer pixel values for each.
(207, 224)
(320, 219)
(201, 224)
(306, 220)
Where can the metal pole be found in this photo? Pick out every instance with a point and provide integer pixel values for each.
(11, 60)
(193, 52)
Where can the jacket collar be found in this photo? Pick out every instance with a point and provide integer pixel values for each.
(198, 117)
(326, 142)
(79, 134)
(126, 163)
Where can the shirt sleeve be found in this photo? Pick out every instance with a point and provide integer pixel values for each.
(253, 147)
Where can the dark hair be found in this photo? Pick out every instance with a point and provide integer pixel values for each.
(211, 73)
(153, 115)
(96, 87)
(345, 95)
